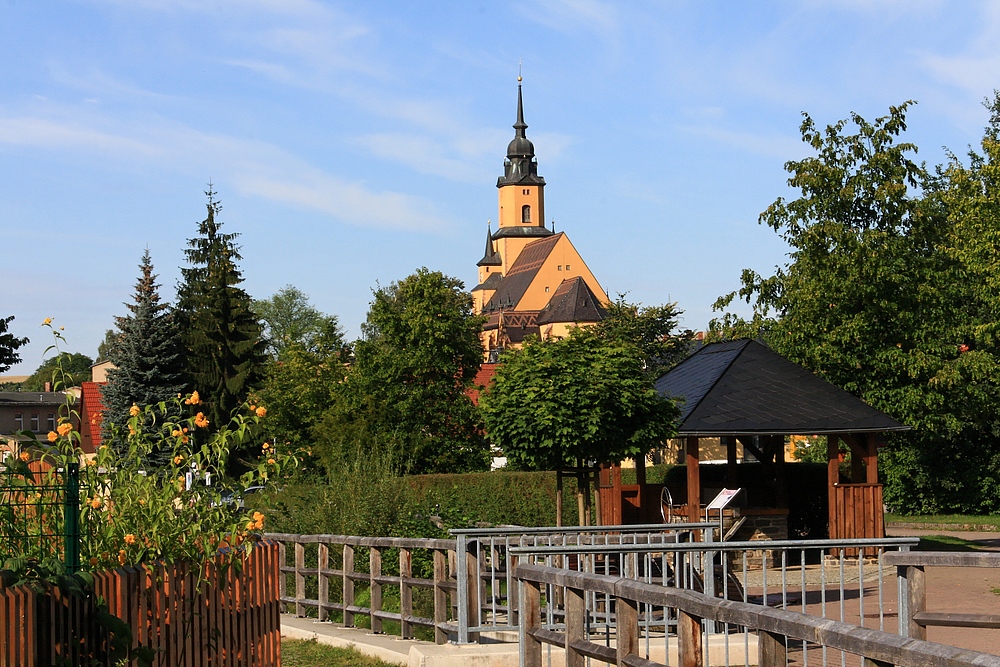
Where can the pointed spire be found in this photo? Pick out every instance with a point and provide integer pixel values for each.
(491, 257)
(520, 125)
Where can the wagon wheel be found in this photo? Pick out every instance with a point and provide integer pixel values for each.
(666, 505)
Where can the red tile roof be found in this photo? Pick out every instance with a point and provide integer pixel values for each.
(481, 381)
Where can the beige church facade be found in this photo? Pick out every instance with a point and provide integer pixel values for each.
(532, 281)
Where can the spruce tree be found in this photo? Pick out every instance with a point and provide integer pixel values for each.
(145, 350)
(222, 337)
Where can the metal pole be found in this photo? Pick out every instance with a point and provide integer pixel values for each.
(71, 518)
(461, 576)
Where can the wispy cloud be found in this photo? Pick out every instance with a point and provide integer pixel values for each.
(256, 168)
(775, 145)
(599, 18)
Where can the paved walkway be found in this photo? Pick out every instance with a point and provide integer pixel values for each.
(394, 650)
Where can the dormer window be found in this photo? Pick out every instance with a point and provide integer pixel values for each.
(525, 213)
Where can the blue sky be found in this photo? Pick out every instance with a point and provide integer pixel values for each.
(351, 143)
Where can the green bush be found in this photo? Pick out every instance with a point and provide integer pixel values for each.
(368, 499)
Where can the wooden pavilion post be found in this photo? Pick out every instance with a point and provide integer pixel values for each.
(640, 480)
(871, 459)
(731, 463)
(832, 478)
(693, 479)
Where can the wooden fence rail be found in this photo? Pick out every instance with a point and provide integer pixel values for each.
(334, 586)
(219, 616)
(774, 627)
(914, 619)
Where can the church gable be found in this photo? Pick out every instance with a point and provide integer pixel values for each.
(561, 263)
(572, 303)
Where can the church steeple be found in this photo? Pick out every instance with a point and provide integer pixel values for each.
(491, 257)
(520, 167)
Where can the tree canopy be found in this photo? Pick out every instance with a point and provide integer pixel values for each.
(289, 319)
(653, 329)
(9, 344)
(405, 389)
(221, 335)
(888, 294)
(575, 400)
(302, 384)
(75, 369)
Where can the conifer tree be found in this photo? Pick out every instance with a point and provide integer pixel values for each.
(220, 333)
(145, 350)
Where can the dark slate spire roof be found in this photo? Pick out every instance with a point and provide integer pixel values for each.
(742, 387)
(491, 257)
(490, 283)
(521, 273)
(573, 301)
(520, 167)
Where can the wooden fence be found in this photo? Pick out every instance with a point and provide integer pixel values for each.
(227, 616)
(774, 627)
(914, 619)
(334, 573)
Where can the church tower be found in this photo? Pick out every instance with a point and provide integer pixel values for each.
(521, 195)
(532, 281)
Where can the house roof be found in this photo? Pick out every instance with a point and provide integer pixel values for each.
(481, 382)
(32, 398)
(573, 301)
(742, 387)
(521, 273)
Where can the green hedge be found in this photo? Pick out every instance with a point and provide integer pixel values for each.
(418, 505)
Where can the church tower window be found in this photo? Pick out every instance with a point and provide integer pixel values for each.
(525, 213)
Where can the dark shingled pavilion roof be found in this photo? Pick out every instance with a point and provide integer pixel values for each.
(742, 387)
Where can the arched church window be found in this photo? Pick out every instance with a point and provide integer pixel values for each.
(525, 213)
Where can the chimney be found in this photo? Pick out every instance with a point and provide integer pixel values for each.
(48, 387)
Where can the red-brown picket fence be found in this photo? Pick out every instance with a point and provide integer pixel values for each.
(230, 617)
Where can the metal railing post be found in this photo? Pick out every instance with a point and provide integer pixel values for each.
(462, 580)
(71, 518)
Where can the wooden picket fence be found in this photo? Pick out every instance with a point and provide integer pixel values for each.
(229, 616)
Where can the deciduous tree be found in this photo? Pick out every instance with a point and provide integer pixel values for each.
(580, 399)
(406, 386)
(9, 344)
(880, 298)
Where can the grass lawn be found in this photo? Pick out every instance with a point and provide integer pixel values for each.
(945, 543)
(310, 653)
(989, 522)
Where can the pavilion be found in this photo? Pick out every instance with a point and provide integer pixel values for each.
(743, 392)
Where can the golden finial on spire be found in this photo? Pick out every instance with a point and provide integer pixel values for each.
(519, 70)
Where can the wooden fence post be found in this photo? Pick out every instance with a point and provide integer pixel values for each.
(531, 620)
(374, 587)
(322, 564)
(440, 596)
(627, 626)
(282, 583)
(405, 593)
(348, 585)
(772, 650)
(472, 588)
(689, 639)
(916, 586)
(300, 578)
(576, 620)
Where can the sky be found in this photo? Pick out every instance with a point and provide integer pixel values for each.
(352, 143)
